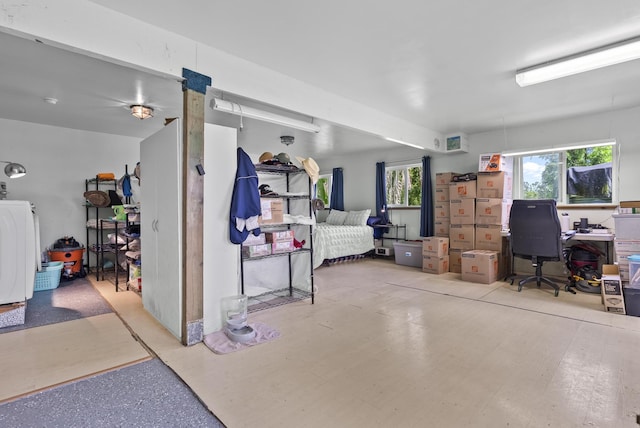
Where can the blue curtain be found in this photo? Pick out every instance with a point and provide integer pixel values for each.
(381, 193)
(337, 190)
(426, 207)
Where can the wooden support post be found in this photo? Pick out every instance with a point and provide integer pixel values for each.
(194, 89)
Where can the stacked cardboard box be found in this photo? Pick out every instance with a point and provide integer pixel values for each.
(435, 255)
(255, 246)
(462, 229)
(441, 203)
(281, 241)
(495, 196)
(272, 211)
(480, 266)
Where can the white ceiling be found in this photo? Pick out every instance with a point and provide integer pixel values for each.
(448, 66)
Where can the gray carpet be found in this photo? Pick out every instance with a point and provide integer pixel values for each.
(147, 394)
(71, 300)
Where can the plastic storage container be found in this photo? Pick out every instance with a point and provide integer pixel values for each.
(634, 271)
(627, 226)
(408, 253)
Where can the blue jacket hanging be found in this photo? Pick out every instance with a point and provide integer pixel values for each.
(245, 201)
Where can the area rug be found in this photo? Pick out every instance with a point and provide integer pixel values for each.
(147, 394)
(219, 343)
(71, 300)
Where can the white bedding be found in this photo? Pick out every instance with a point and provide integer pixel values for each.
(332, 241)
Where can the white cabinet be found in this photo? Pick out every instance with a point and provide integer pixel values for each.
(160, 226)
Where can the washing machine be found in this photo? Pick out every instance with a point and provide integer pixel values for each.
(19, 250)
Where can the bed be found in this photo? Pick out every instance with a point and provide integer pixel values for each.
(342, 234)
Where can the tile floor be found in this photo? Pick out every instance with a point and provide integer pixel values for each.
(388, 345)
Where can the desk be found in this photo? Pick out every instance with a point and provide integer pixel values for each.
(607, 238)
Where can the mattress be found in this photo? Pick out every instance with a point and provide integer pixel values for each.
(332, 241)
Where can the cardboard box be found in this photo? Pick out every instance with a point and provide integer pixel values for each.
(493, 162)
(629, 204)
(272, 211)
(255, 240)
(455, 260)
(408, 253)
(493, 211)
(489, 237)
(256, 250)
(480, 266)
(441, 228)
(462, 190)
(444, 178)
(279, 247)
(462, 236)
(280, 235)
(441, 194)
(611, 288)
(463, 211)
(497, 185)
(436, 265)
(435, 246)
(441, 211)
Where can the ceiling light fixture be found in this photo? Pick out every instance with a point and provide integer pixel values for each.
(141, 112)
(404, 142)
(14, 170)
(242, 111)
(601, 143)
(616, 53)
(287, 140)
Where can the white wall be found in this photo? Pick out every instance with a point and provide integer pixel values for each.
(220, 264)
(623, 125)
(58, 160)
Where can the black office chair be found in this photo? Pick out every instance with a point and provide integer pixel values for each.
(536, 235)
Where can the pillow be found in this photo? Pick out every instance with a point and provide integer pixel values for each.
(336, 217)
(321, 216)
(357, 218)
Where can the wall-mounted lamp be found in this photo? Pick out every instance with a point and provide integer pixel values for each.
(14, 170)
(141, 112)
(604, 56)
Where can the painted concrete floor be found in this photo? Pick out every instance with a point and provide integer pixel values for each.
(388, 345)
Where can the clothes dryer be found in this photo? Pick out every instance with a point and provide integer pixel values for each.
(19, 255)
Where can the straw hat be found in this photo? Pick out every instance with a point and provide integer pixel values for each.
(266, 156)
(98, 198)
(312, 168)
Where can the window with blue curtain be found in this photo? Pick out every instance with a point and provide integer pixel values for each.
(381, 199)
(426, 206)
(337, 190)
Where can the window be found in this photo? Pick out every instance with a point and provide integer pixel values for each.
(404, 186)
(323, 189)
(582, 175)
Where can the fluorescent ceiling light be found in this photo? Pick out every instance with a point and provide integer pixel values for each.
(616, 53)
(265, 116)
(404, 142)
(562, 148)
